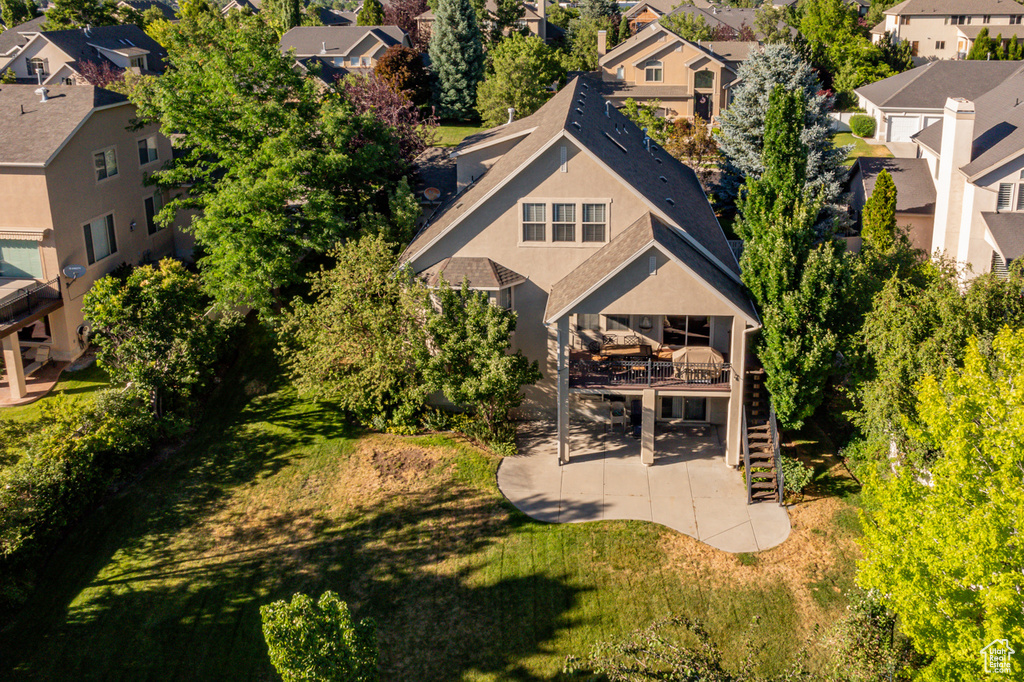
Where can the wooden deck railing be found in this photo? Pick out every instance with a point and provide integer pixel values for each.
(647, 372)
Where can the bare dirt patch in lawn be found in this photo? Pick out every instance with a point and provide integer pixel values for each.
(401, 464)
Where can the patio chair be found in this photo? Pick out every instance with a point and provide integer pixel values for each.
(42, 358)
(631, 341)
(617, 415)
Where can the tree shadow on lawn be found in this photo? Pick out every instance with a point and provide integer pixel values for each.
(407, 561)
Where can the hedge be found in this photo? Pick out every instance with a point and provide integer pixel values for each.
(862, 125)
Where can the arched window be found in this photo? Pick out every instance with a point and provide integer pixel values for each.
(703, 80)
(653, 72)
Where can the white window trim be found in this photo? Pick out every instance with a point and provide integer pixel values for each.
(156, 143)
(117, 162)
(549, 214)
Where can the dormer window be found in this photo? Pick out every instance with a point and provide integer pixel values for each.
(36, 66)
(653, 72)
(137, 63)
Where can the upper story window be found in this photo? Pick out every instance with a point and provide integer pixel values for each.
(940, 44)
(137, 63)
(105, 163)
(904, 20)
(958, 19)
(594, 223)
(20, 258)
(1016, 19)
(620, 73)
(504, 298)
(364, 61)
(36, 66)
(1004, 196)
(534, 222)
(153, 206)
(588, 321)
(100, 240)
(563, 228)
(147, 150)
(653, 72)
(704, 80)
(986, 19)
(616, 323)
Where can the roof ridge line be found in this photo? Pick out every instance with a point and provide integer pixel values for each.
(909, 83)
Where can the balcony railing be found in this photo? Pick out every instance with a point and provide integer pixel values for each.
(648, 372)
(28, 300)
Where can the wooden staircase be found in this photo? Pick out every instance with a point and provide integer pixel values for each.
(760, 442)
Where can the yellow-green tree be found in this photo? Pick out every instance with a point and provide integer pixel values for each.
(944, 545)
(878, 226)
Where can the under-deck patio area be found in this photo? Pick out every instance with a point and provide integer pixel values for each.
(689, 488)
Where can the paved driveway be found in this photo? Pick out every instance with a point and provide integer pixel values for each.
(689, 488)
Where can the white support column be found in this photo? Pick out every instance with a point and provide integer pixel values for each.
(647, 427)
(15, 368)
(737, 357)
(562, 363)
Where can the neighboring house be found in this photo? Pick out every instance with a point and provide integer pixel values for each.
(726, 20)
(646, 12)
(601, 242)
(56, 57)
(253, 6)
(687, 78)
(974, 154)
(534, 20)
(143, 5)
(334, 17)
(71, 190)
(341, 49)
(907, 103)
(915, 194)
(946, 29)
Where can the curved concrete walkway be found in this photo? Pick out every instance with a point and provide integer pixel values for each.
(689, 489)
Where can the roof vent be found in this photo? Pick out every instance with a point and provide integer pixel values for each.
(671, 202)
(663, 178)
(511, 114)
(608, 112)
(579, 111)
(647, 143)
(657, 160)
(42, 92)
(323, 47)
(577, 125)
(88, 30)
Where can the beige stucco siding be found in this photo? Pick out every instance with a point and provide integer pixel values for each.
(23, 198)
(42, 49)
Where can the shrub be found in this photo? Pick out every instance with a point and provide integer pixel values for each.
(862, 125)
(796, 476)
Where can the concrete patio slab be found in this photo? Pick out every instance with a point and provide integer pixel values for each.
(689, 489)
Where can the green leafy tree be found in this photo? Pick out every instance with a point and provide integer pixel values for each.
(562, 16)
(319, 641)
(284, 14)
(692, 27)
(151, 331)
(372, 14)
(276, 166)
(65, 14)
(522, 68)
(15, 12)
(582, 39)
(645, 116)
(361, 341)
(692, 143)
(1015, 49)
(596, 9)
(879, 215)
(742, 131)
(506, 15)
(471, 362)
(457, 58)
(770, 24)
(942, 546)
(799, 287)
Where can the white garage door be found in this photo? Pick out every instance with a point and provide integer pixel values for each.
(902, 127)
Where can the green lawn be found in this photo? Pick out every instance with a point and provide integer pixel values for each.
(860, 147)
(78, 385)
(452, 135)
(276, 495)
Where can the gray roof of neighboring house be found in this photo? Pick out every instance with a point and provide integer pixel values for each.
(878, 28)
(14, 38)
(915, 191)
(579, 112)
(928, 86)
(479, 273)
(956, 7)
(657, 6)
(143, 5)
(643, 233)
(309, 41)
(998, 126)
(253, 6)
(78, 43)
(733, 17)
(34, 136)
(1008, 231)
(333, 17)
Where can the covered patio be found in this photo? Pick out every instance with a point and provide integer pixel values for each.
(689, 488)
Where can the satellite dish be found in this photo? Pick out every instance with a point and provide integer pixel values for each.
(73, 272)
(432, 193)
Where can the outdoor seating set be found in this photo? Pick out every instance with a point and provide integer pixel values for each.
(630, 362)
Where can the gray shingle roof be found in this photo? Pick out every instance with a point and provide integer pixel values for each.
(657, 6)
(14, 38)
(733, 17)
(1008, 231)
(915, 192)
(310, 41)
(34, 136)
(479, 273)
(579, 112)
(940, 7)
(143, 5)
(928, 86)
(78, 43)
(998, 126)
(646, 231)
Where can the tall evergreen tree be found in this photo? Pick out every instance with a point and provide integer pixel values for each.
(372, 14)
(798, 286)
(457, 57)
(984, 47)
(878, 226)
(1015, 50)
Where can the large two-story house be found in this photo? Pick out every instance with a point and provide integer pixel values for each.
(57, 57)
(72, 168)
(534, 20)
(972, 157)
(687, 78)
(607, 249)
(946, 29)
(341, 50)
